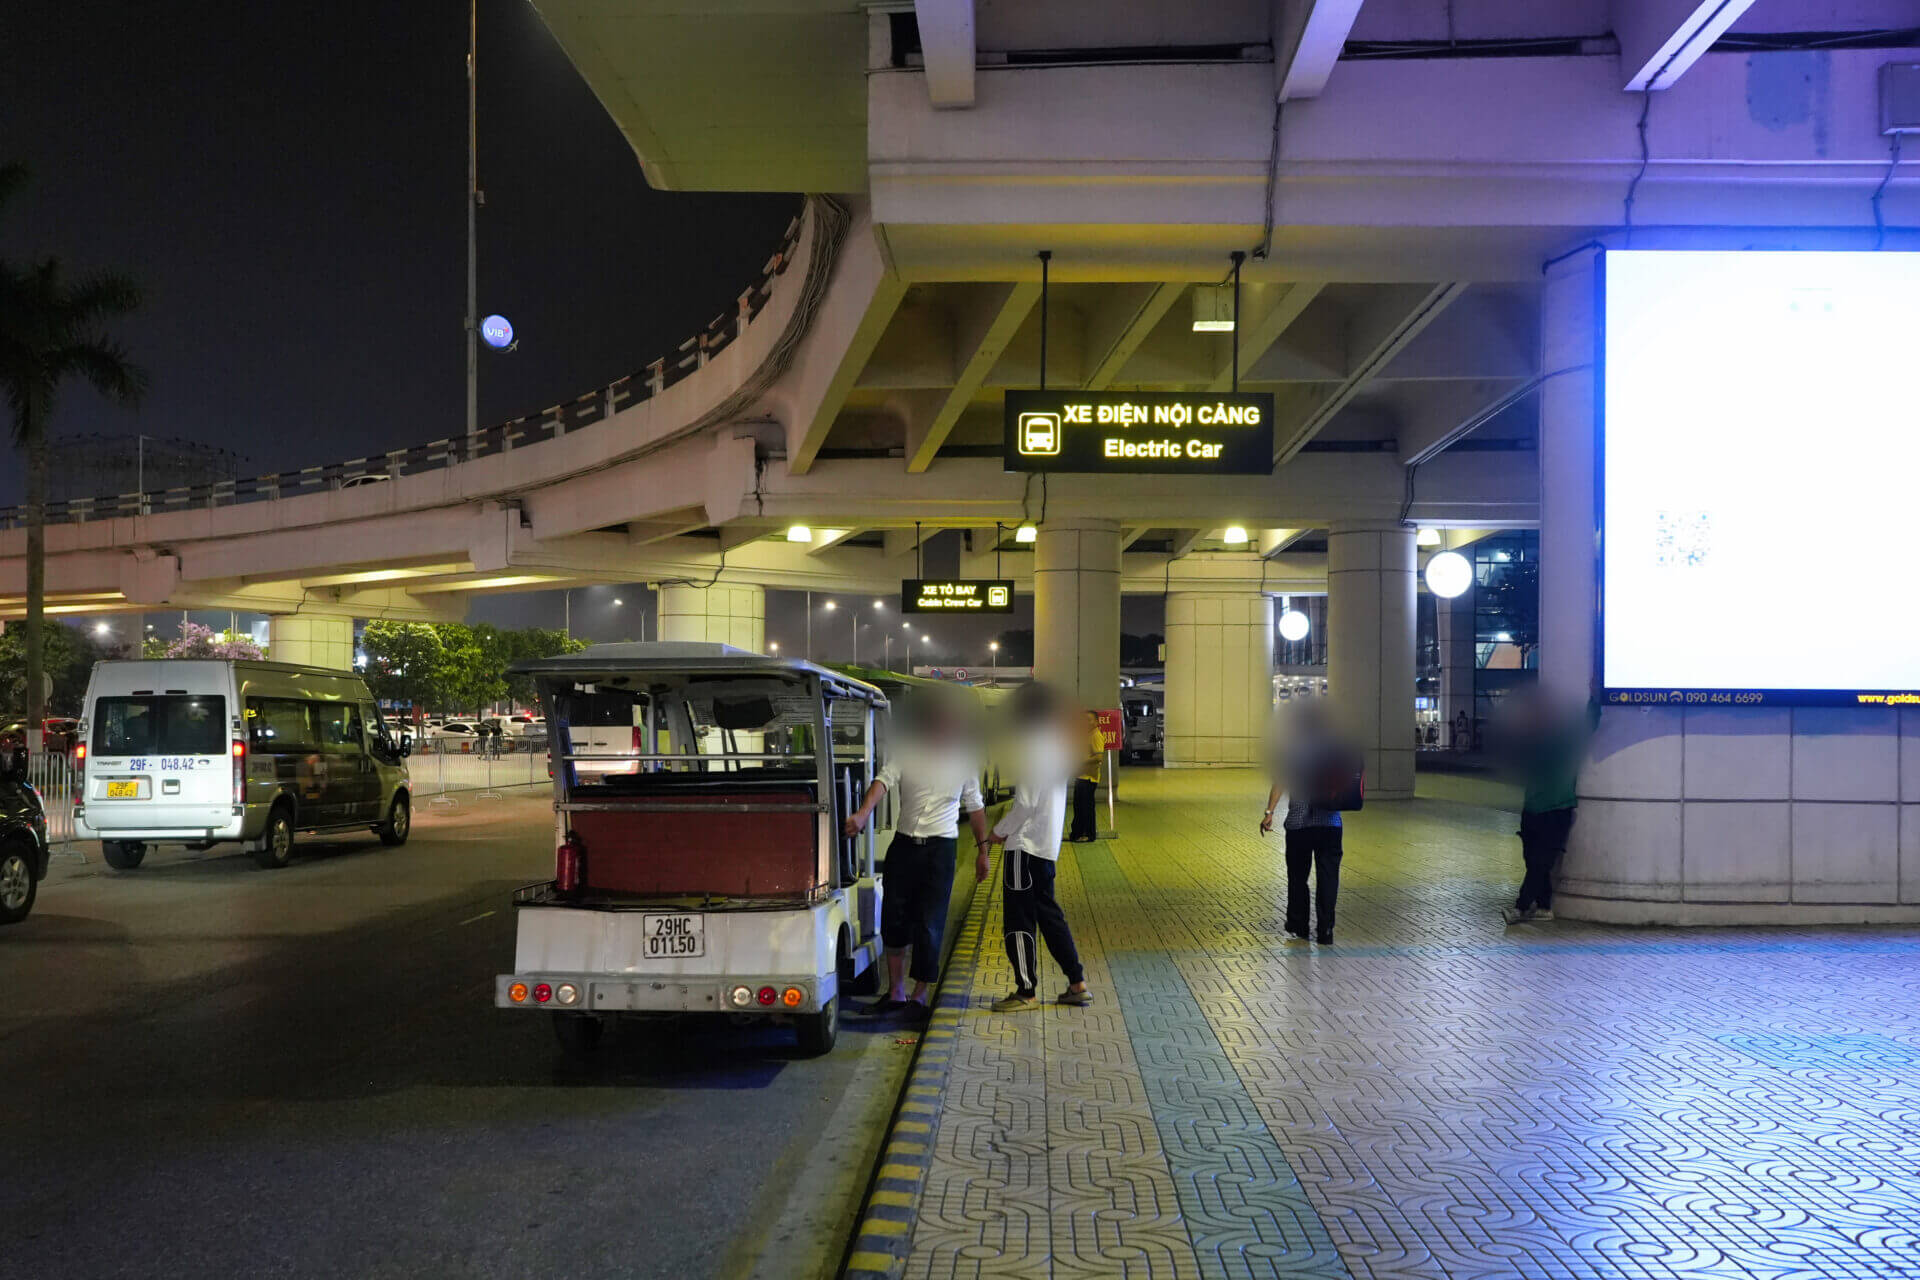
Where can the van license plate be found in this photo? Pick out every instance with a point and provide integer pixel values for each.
(670, 937)
(129, 790)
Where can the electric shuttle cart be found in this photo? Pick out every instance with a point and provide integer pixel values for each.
(700, 867)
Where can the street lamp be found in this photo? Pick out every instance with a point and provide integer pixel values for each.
(774, 646)
(993, 653)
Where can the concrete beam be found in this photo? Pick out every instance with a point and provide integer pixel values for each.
(1274, 541)
(1660, 39)
(1442, 412)
(1136, 316)
(670, 524)
(987, 319)
(828, 539)
(1132, 534)
(1183, 540)
(1392, 318)
(1261, 331)
(1308, 37)
(860, 300)
(947, 50)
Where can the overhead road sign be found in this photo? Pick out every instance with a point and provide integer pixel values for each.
(1155, 432)
(956, 595)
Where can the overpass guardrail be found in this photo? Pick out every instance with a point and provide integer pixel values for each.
(556, 420)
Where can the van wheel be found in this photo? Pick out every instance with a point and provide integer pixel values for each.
(393, 831)
(123, 855)
(816, 1031)
(17, 887)
(580, 1034)
(276, 846)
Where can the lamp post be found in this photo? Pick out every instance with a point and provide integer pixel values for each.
(993, 653)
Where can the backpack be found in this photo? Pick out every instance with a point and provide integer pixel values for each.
(1339, 781)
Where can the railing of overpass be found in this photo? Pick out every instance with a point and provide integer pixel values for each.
(556, 420)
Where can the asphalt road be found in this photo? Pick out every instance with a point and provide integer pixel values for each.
(207, 1069)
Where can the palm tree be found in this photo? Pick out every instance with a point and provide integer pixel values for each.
(52, 331)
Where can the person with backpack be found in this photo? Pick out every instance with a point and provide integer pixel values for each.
(1320, 776)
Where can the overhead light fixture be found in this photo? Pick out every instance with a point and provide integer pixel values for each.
(1294, 625)
(1427, 538)
(799, 533)
(1449, 574)
(1212, 308)
(1026, 533)
(1235, 534)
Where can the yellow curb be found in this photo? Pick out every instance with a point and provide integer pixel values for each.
(892, 1199)
(902, 1172)
(870, 1262)
(884, 1227)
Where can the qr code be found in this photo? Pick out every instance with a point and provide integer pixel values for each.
(1682, 539)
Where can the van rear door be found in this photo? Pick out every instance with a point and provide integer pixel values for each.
(159, 761)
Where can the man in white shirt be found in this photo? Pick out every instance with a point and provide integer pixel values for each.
(933, 775)
(1030, 830)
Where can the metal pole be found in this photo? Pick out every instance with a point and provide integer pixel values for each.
(1046, 257)
(1238, 258)
(473, 204)
(567, 612)
(809, 626)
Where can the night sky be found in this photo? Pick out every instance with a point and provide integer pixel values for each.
(289, 183)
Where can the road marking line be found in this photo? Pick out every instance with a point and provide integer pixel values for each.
(471, 919)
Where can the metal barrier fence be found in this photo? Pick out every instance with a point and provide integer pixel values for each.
(51, 773)
(440, 769)
(556, 420)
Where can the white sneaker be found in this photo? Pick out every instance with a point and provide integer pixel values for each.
(1512, 915)
(1544, 913)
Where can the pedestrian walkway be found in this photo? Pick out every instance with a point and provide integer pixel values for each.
(1433, 1096)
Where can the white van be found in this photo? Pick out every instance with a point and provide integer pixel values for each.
(198, 752)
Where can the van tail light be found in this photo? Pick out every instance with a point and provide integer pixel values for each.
(79, 773)
(570, 865)
(239, 771)
(638, 747)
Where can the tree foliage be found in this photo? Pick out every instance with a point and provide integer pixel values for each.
(69, 654)
(403, 661)
(196, 641)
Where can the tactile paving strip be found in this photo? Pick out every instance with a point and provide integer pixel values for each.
(1433, 1096)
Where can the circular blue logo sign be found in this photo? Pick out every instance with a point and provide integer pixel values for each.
(497, 332)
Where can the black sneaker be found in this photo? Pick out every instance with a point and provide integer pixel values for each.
(1324, 939)
(884, 1006)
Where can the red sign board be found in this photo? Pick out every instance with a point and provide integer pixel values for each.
(1112, 727)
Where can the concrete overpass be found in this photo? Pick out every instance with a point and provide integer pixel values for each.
(1418, 191)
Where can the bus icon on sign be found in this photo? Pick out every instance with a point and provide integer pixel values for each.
(996, 597)
(1040, 433)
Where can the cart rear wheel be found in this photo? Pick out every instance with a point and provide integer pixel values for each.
(816, 1031)
(580, 1034)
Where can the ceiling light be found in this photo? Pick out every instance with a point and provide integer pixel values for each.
(1026, 533)
(1212, 308)
(1427, 538)
(1235, 534)
(1294, 625)
(799, 533)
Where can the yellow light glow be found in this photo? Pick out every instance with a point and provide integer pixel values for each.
(1026, 533)
(1427, 538)
(799, 533)
(1234, 534)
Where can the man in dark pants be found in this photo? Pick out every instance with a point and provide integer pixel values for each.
(1085, 830)
(1030, 830)
(1313, 834)
(934, 775)
(1550, 746)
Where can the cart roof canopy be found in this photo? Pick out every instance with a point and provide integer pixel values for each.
(687, 657)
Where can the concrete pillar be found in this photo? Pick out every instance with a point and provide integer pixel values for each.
(1709, 814)
(1076, 609)
(1370, 633)
(1454, 619)
(1219, 677)
(727, 613)
(311, 640)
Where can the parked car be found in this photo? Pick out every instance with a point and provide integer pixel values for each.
(200, 751)
(455, 731)
(59, 733)
(23, 838)
(520, 725)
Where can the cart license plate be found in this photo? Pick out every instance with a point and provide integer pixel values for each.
(671, 936)
(129, 790)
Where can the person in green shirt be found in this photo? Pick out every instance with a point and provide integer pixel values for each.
(1550, 745)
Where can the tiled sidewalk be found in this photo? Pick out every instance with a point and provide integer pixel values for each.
(1432, 1096)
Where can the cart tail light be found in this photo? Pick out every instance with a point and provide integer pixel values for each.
(570, 864)
(239, 771)
(767, 995)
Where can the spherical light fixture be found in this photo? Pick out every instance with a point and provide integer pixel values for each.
(799, 533)
(1026, 533)
(1235, 535)
(1294, 626)
(1427, 538)
(1449, 574)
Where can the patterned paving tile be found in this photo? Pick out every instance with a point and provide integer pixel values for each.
(1432, 1097)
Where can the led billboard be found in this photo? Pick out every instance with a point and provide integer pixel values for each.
(1759, 442)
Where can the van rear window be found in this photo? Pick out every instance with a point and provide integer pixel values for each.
(178, 724)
